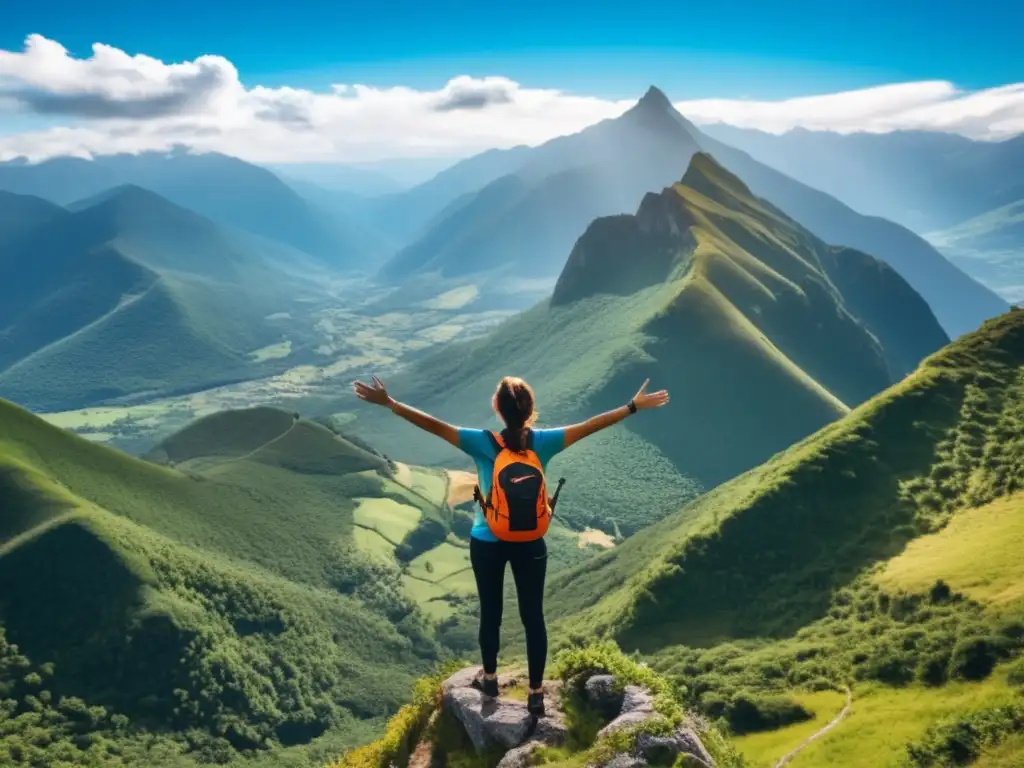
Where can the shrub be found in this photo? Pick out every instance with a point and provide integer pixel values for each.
(403, 730)
(747, 713)
(960, 740)
(975, 657)
(933, 669)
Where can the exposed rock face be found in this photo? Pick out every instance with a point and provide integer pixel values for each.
(637, 708)
(501, 722)
(603, 696)
(504, 723)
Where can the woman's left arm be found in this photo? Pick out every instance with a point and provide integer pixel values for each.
(377, 394)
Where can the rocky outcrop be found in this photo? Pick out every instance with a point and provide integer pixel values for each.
(503, 723)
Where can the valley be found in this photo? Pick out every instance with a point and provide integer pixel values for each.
(213, 553)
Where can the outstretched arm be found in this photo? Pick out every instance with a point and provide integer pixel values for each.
(641, 402)
(377, 394)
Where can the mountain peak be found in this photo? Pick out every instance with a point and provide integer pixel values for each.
(655, 98)
(704, 173)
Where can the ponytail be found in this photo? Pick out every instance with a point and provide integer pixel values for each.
(514, 402)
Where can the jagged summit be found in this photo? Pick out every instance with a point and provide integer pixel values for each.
(654, 98)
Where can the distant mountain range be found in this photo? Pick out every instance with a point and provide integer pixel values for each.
(762, 332)
(525, 220)
(226, 190)
(923, 180)
(126, 293)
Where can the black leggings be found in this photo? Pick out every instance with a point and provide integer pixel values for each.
(529, 562)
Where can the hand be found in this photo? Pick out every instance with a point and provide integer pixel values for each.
(645, 400)
(372, 393)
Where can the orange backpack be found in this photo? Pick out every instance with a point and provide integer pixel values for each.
(518, 508)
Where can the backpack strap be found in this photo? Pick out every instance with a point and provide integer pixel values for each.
(496, 442)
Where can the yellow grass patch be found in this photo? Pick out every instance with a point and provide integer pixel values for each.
(388, 517)
(977, 554)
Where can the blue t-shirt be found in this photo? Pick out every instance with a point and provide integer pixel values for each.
(478, 446)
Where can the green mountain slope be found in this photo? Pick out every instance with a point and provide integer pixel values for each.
(763, 554)
(227, 190)
(129, 270)
(615, 163)
(218, 606)
(878, 558)
(711, 293)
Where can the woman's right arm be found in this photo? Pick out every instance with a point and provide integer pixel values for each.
(641, 402)
(376, 393)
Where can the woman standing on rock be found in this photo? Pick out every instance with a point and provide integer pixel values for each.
(515, 509)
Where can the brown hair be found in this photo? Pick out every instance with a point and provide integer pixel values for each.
(514, 402)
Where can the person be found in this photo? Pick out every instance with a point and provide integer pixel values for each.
(515, 405)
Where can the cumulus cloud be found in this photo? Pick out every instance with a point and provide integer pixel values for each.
(112, 101)
(467, 93)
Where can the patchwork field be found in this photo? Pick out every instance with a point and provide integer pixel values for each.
(328, 347)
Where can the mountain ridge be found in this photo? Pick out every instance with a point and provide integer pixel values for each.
(648, 147)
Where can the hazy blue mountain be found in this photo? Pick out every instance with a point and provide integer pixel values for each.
(21, 214)
(534, 215)
(338, 177)
(923, 180)
(990, 247)
(225, 189)
(404, 215)
(127, 293)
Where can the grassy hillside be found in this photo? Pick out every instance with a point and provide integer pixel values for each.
(879, 554)
(214, 609)
(129, 270)
(711, 293)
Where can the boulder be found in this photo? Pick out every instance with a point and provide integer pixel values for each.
(637, 699)
(520, 756)
(501, 722)
(603, 696)
(665, 749)
(625, 760)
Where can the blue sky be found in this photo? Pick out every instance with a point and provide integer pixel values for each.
(742, 49)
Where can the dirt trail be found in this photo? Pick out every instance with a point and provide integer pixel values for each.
(786, 759)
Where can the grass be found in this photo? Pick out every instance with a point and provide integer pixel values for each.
(440, 563)
(391, 519)
(1005, 755)
(884, 720)
(977, 554)
(374, 545)
(430, 483)
(764, 749)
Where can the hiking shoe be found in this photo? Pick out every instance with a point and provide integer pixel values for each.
(535, 704)
(487, 685)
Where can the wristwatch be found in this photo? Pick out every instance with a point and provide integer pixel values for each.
(632, 406)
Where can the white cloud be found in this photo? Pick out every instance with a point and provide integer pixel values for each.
(116, 102)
